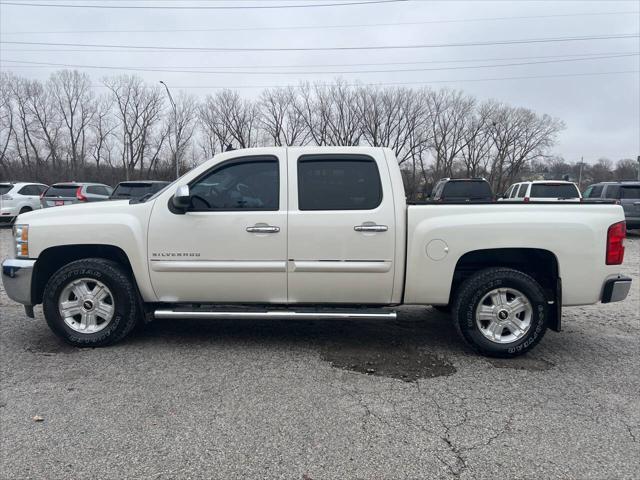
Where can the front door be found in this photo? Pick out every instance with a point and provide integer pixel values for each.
(231, 243)
(342, 228)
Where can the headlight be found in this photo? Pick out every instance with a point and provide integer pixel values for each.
(21, 239)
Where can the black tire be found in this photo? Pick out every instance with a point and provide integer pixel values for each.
(125, 301)
(476, 287)
(24, 210)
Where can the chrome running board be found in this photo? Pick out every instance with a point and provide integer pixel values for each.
(273, 315)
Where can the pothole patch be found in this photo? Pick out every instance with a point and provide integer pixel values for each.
(403, 362)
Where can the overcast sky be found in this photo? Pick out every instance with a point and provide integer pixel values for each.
(602, 112)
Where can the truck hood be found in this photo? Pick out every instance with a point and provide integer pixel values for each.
(69, 212)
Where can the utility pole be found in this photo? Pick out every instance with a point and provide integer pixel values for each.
(580, 174)
(175, 129)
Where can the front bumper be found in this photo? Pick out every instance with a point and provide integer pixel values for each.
(16, 278)
(616, 289)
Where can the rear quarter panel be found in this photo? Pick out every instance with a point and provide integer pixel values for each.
(575, 234)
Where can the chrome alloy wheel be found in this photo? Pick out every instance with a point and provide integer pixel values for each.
(504, 315)
(86, 305)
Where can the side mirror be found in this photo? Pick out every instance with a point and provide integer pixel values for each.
(181, 199)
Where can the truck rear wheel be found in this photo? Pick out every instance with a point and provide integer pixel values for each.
(501, 312)
(91, 303)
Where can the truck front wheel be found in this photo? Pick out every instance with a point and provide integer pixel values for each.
(91, 303)
(501, 312)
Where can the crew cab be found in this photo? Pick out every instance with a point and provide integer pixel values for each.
(313, 232)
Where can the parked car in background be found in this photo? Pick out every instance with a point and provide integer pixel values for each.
(455, 190)
(75, 192)
(626, 193)
(137, 189)
(19, 197)
(542, 191)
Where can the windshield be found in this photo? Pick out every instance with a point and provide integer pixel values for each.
(472, 190)
(554, 190)
(5, 188)
(136, 190)
(61, 191)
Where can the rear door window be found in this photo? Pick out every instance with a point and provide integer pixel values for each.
(338, 182)
(554, 190)
(62, 191)
(5, 188)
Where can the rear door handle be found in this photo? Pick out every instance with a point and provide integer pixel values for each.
(263, 229)
(370, 228)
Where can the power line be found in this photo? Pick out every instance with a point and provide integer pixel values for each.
(384, 84)
(351, 64)
(306, 49)
(322, 27)
(210, 72)
(200, 7)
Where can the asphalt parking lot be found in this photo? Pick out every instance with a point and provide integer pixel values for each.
(322, 399)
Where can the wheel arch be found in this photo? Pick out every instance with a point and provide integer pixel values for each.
(52, 259)
(540, 264)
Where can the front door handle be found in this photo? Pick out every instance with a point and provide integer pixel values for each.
(263, 229)
(370, 228)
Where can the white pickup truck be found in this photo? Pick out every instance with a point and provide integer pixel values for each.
(313, 232)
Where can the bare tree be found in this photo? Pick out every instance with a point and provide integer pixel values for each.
(280, 119)
(139, 110)
(450, 114)
(180, 127)
(519, 136)
(74, 101)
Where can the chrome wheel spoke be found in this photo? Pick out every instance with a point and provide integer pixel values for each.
(99, 293)
(514, 327)
(518, 305)
(88, 321)
(495, 330)
(104, 310)
(486, 313)
(70, 308)
(81, 290)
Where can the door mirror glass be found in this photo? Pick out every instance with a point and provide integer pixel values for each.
(182, 198)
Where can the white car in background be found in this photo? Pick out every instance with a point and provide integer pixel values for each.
(17, 198)
(542, 191)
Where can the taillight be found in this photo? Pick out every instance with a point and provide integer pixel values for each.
(615, 243)
(80, 196)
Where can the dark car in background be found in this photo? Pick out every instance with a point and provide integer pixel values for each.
(467, 190)
(626, 193)
(137, 189)
(74, 192)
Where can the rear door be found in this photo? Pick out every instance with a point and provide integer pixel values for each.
(30, 196)
(341, 239)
